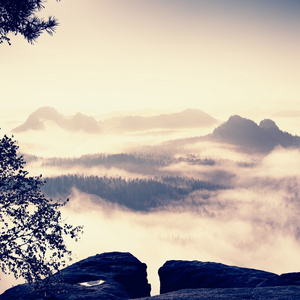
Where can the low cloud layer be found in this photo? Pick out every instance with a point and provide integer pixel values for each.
(244, 227)
(253, 224)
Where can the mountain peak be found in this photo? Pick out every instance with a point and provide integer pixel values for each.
(268, 124)
(247, 134)
(44, 115)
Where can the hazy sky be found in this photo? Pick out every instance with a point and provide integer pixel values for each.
(222, 56)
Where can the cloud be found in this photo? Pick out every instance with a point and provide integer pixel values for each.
(281, 163)
(255, 224)
(246, 226)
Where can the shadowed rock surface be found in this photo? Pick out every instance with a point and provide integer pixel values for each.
(112, 275)
(176, 275)
(261, 293)
(121, 276)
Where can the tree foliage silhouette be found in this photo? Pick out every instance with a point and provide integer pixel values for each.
(32, 243)
(19, 17)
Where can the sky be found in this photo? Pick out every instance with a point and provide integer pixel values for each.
(224, 57)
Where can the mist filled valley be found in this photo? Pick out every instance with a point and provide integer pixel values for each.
(172, 185)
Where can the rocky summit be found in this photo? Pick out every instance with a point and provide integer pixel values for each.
(114, 275)
(121, 276)
(176, 275)
(263, 293)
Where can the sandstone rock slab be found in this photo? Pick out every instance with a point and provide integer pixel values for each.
(112, 275)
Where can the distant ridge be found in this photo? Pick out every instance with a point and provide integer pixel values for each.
(190, 118)
(249, 136)
(241, 132)
(37, 120)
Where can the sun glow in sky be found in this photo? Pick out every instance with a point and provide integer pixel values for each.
(224, 57)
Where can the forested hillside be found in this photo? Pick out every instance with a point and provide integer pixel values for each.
(121, 159)
(136, 194)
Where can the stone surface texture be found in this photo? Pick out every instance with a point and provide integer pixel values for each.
(177, 274)
(261, 293)
(121, 276)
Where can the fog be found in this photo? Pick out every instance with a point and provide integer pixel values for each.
(48, 133)
(250, 228)
(254, 223)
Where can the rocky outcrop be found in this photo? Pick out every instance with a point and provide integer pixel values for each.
(120, 276)
(176, 275)
(112, 275)
(249, 137)
(261, 293)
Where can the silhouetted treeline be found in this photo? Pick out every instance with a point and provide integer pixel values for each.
(136, 194)
(117, 160)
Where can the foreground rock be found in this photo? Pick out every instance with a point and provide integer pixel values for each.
(121, 276)
(112, 275)
(209, 281)
(176, 275)
(261, 293)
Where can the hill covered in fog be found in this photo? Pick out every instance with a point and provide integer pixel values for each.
(135, 194)
(168, 130)
(189, 118)
(249, 136)
(245, 135)
(45, 116)
(49, 116)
